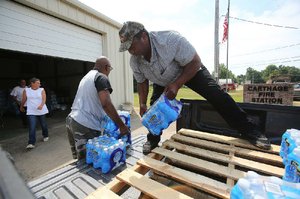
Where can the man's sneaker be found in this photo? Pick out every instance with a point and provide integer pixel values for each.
(46, 139)
(148, 146)
(258, 139)
(30, 146)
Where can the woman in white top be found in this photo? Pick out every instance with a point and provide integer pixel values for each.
(36, 110)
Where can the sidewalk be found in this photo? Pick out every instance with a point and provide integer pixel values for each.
(48, 156)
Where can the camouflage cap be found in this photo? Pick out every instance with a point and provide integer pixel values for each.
(127, 32)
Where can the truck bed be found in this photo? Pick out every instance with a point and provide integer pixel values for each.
(193, 164)
(186, 154)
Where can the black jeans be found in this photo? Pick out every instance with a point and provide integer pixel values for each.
(24, 116)
(203, 84)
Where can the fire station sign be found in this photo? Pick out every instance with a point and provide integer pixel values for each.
(269, 93)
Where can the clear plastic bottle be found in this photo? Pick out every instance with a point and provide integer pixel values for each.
(89, 151)
(290, 140)
(161, 114)
(108, 153)
(125, 117)
(105, 167)
(112, 130)
(255, 186)
(292, 168)
(97, 156)
(152, 120)
(110, 127)
(242, 190)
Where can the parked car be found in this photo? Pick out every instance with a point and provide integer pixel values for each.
(297, 91)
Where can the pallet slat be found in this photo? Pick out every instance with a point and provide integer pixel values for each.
(201, 164)
(149, 187)
(230, 166)
(103, 193)
(249, 164)
(206, 184)
(117, 185)
(226, 139)
(266, 157)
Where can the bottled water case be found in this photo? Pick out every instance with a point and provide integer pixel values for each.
(161, 114)
(105, 153)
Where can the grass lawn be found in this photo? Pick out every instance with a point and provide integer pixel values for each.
(187, 93)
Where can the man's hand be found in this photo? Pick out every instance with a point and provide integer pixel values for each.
(124, 130)
(171, 90)
(143, 109)
(22, 109)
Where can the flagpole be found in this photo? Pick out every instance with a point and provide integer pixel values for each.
(216, 57)
(227, 44)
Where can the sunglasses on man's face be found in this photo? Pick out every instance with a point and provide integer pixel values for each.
(110, 68)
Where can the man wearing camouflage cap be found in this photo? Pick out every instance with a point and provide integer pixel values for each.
(169, 61)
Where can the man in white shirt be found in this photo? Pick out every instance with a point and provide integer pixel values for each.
(17, 94)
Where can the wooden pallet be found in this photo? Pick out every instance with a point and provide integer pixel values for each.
(200, 161)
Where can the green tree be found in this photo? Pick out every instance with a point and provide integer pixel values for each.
(241, 79)
(295, 74)
(269, 71)
(254, 76)
(223, 73)
(273, 71)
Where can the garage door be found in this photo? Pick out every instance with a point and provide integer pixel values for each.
(27, 30)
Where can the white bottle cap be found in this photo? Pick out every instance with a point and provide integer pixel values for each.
(296, 151)
(244, 184)
(252, 174)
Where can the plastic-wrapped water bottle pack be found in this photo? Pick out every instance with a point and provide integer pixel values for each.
(111, 129)
(290, 153)
(161, 114)
(105, 153)
(255, 186)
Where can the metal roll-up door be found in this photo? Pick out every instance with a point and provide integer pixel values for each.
(27, 30)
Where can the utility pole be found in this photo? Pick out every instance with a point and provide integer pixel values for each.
(216, 57)
(228, 9)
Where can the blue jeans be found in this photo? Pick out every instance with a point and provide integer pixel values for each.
(32, 120)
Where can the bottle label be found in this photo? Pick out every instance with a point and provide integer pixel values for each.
(296, 171)
(292, 172)
(273, 188)
(285, 145)
(155, 120)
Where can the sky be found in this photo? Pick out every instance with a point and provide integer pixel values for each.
(250, 44)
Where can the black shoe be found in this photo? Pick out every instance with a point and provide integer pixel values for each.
(148, 146)
(258, 139)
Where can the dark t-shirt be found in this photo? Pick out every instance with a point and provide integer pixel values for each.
(102, 83)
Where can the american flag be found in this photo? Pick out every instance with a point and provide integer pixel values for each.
(225, 26)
